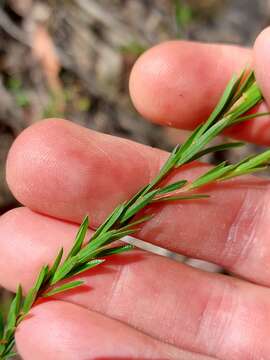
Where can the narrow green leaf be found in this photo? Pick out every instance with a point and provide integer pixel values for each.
(183, 197)
(211, 175)
(137, 222)
(89, 252)
(250, 116)
(135, 197)
(9, 348)
(122, 233)
(249, 79)
(56, 262)
(14, 309)
(115, 250)
(33, 292)
(189, 141)
(138, 205)
(110, 221)
(169, 164)
(84, 267)
(249, 165)
(234, 174)
(209, 135)
(213, 149)
(68, 286)
(172, 187)
(63, 270)
(256, 160)
(226, 97)
(79, 238)
(249, 99)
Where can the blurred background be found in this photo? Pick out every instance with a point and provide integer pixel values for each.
(72, 59)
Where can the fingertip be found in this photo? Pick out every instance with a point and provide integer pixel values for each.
(262, 62)
(28, 148)
(39, 161)
(177, 83)
(160, 82)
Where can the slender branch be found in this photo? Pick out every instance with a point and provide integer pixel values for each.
(240, 96)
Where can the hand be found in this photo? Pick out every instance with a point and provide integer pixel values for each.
(138, 305)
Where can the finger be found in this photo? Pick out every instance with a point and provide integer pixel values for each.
(58, 330)
(55, 165)
(63, 170)
(178, 83)
(190, 309)
(261, 62)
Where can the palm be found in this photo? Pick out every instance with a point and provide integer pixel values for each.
(141, 305)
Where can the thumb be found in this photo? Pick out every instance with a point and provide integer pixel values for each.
(262, 62)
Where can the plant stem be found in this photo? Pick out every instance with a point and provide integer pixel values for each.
(240, 96)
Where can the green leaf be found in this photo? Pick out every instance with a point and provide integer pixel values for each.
(119, 234)
(63, 270)
(187, 144)
(213, 149)
(244, 172)
(183, 197)
(79, 238)
(110, 221)
(209, 135)
(84, 267)
(89, 251)
(33, 292)
(68, 286)
(250, 98)
(167, 166)
(135, 197)
(14, 309)
(250, 116)
(249, 165)
(138, 205)
(115, 250)
(137, 222)
(172, 187)
(211, 175)
(93, 249)
(8, 348)
(254, 161)
(221, 107)
(212, 128)
(249, 79)
(56, 262)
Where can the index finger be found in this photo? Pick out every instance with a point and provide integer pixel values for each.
(178, 83)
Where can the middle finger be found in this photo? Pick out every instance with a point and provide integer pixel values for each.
(86, 172)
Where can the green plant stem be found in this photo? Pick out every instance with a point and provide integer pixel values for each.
(240, 96)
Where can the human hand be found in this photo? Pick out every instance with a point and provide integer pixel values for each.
(139, 305)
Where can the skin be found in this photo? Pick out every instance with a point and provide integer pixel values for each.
(139, 305)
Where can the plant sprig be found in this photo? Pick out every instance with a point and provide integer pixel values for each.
(241, 95)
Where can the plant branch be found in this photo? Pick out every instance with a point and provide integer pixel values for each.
(240, 96)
